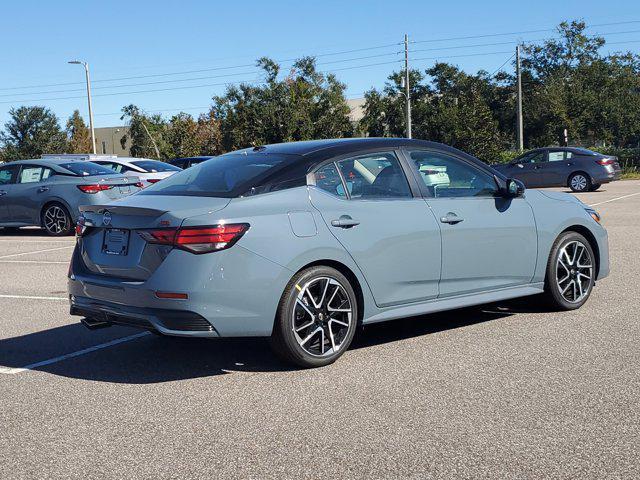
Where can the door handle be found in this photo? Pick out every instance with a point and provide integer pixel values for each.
(43, 189)
(537, 167)
(2, 192)
(345, 221)
(451, 218)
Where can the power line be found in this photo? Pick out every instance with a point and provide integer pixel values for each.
(519, 33)
(500, 67)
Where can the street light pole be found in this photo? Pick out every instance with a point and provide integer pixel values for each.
(406, 84)
(86, 71)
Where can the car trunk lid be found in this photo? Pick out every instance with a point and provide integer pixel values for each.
(111, 245)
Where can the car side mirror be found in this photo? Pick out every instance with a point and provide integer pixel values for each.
(514, 188)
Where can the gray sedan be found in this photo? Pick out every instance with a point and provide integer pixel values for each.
(579, 169)
(304, 242)
(49, 192)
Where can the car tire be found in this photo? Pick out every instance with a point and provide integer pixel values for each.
(579, 182)
(56, 220)
(595, 187)
(316, 318)
(571, 271)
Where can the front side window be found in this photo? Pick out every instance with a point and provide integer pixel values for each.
(375, 175)
(534, 157)
(447, 176)
(33, 174)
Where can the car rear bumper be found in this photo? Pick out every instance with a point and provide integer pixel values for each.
(236, 293)
(165, 321)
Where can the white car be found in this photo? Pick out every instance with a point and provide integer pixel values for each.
(147, 170)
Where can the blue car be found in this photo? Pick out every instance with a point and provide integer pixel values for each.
(48, 192)
(304, 242)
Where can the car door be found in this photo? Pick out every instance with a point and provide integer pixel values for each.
(527, 168)
(29, 193)
(557, 169)
(488, 242)
(368, 205)
(7, 179)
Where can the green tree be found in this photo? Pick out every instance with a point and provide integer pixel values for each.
(208, 134)
(79, 139)
(305, 104)
(181, 136)
(146, 132)
(30, 132)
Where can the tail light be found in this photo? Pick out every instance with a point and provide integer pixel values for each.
(94, 188)
(197, 239)
(153, 180)
(605, 161)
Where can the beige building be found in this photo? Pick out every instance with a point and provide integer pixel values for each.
(108, 141)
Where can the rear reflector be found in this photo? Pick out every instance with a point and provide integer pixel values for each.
(197, 239)
(153, 180)
(172, 295)
(94, 188)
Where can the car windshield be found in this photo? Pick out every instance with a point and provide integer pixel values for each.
(228, 176)
(586, 151)
(87, 169)
(155, 166)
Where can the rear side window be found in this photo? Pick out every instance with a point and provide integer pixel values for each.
(328, 179)
(376, 175)
(155, 166)
(229, 176)
(34, 174)
(116, 167)
(86, 169)
(557, 156)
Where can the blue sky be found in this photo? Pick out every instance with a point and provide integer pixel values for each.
(195, 47)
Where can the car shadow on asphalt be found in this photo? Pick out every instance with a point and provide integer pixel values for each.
(153, 359)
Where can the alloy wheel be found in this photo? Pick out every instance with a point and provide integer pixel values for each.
(579, 182)
(322, 316)
(574, 271)
(56, 220)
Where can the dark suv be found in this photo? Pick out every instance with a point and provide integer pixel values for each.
(579, 169)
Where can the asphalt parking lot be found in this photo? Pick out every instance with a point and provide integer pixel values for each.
(507, 391)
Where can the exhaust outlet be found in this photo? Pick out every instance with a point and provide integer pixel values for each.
(94, 324)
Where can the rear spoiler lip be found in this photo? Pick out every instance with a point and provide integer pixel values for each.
(122, 210)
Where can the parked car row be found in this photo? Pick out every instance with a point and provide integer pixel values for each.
(49, 191)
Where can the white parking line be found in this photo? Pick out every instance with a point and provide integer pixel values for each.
(20, 240)
(34, 261)
(37, 251)
(14, 371)
(33, 297)
(614, 199)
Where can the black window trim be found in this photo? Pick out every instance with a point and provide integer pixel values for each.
(414, 188)
(423, 188)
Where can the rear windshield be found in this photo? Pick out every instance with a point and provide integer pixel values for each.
(586, 151)
(229, 175)
(85, 169)
(155, 166)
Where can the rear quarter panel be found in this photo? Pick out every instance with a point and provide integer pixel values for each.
(272, 237)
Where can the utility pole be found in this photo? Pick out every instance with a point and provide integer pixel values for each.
(86, 71)
(519, 120)
(406, 84)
